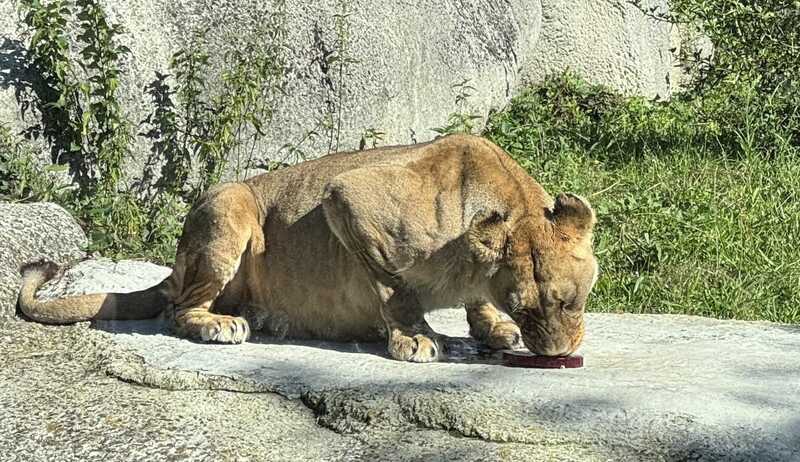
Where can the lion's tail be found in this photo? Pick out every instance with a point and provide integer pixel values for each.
(123, 306)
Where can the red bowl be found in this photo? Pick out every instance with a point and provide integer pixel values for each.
(525, 359)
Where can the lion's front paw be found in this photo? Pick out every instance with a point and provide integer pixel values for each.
(504, 335)
(418, 349)
(225, 329)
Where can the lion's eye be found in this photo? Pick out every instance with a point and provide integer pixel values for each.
(570, 309)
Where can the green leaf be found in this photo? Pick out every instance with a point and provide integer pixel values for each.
(56, 168)
(85, 118)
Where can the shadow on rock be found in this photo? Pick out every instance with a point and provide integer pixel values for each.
(155, 326)
(462, 350)
(15, 70)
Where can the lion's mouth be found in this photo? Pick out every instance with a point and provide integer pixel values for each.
(543, 342)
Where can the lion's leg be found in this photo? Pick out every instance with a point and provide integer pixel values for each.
(410, 336)
(216, 235)
(193, 317)
(487, 326)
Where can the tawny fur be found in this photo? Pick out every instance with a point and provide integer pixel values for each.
(358, 245)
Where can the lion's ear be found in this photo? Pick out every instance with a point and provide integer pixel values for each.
(573, 215)
(487, 235)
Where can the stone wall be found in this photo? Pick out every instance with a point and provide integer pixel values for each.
(608, 41)
(409, 54)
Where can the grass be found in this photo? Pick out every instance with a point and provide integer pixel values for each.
(686, 223)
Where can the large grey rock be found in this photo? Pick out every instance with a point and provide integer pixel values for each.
(607, 41)
(653, 388)
(58, 403)
(30, 232)
(408, 54)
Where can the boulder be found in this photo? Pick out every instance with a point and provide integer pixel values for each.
(30, 232)
(610, 42)
(403, 58)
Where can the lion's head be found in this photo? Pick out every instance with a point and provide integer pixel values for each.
(542, 269)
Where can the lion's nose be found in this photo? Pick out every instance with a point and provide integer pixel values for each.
(545, 347)
(563, 351)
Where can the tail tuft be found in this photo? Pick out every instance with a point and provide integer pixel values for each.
(46, 269)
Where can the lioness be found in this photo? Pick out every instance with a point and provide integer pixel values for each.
(359, 245)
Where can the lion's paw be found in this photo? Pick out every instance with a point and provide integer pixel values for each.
(504, 335)
(418, 349)
(225, 329)
(274, 323)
